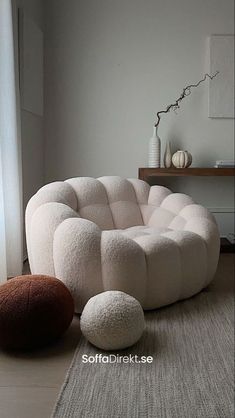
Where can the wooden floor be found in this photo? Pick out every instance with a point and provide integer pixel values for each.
(30, 383)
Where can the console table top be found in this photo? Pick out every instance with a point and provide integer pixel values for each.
(146, 172)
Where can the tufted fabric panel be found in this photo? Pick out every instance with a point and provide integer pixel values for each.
(93, 203)
(122, 201)
(121, 234)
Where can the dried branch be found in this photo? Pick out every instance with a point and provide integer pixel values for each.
(186, 92)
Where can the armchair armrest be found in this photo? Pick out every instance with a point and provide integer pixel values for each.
(57, 192)
(199, 220)
(41, 229)
(77, 258)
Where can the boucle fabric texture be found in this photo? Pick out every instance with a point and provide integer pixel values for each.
(192, 373)
(112, 320)
(121, 234)
(34, 311)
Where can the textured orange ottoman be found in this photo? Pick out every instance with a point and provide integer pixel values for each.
(34, 311)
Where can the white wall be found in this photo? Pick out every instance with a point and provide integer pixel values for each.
(110, 66)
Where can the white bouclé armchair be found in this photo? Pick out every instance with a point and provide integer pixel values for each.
(117, 234)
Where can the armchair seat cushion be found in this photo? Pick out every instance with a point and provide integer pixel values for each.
(116, 234)
(176, 263)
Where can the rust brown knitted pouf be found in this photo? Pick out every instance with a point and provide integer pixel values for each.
(34, 311)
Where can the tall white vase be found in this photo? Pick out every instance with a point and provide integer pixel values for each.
(154, 155)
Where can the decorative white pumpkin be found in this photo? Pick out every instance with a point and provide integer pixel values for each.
(182, 159)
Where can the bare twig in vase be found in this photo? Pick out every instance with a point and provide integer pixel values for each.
(186, 92)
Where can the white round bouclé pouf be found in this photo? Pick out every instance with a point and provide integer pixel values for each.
(112, 320)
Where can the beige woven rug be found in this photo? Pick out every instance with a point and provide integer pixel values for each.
(191, 374)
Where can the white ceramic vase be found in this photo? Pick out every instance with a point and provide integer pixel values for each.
(167, 156)
(154, 154)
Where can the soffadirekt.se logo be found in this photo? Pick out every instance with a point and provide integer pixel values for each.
(116, 358)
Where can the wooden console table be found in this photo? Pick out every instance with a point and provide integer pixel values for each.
(147, 174)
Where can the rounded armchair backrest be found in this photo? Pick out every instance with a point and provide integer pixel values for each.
(110, 202)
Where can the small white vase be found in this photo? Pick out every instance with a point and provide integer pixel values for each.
(167, 155)
(154, 154)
